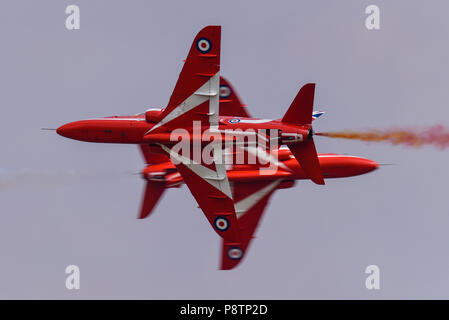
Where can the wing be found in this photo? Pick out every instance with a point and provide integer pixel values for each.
(251, 199)
(210, 187)
(230, 104)
(196, 99)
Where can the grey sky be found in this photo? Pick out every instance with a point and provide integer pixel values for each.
(66, 202)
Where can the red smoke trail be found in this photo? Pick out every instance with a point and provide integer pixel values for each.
(436, 135)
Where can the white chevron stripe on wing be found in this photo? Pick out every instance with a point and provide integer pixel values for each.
(266, 156)
(218, 179)
(200, 96)
(247, 203)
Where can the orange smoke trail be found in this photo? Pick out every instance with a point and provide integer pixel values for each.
(436, 135)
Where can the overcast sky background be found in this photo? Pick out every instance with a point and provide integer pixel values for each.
(68, 202)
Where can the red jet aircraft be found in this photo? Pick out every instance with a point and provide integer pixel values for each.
(205, 111)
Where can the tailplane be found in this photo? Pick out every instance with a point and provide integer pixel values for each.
(153, 189)
(301, 109)
(306, 155)
(152, 194)
(300, 113)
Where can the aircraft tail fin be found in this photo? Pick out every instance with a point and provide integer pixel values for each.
(301, 109)
(300, 112)
(306, 155)
(152, 194)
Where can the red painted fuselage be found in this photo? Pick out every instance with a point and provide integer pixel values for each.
(332, 165)
(134, 129)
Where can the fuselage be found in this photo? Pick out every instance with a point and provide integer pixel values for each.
(116, 129)
(287, 169)
(137, 130)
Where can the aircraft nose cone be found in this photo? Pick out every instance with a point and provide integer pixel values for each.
(73, 130)
(367, 165)
(65, 130)
(374, 165)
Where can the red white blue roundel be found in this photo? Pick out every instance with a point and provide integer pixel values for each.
(234, 120)
(203, 45)
(221, 223)
(225, 91)
(235, 253)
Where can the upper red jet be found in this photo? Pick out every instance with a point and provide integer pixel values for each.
(233, 194)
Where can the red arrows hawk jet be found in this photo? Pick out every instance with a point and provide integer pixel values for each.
(197, 140)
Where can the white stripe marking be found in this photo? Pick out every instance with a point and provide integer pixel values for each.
(244, 205)
(212, 177)
(191, 102)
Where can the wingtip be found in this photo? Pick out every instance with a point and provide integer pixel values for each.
(231, 256)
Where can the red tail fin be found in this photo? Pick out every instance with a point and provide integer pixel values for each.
(300, 113)
(305, 154)
(301, 109)
(151, 196)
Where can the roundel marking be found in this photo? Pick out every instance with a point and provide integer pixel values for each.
(234, 120)
(235, 253)
(203, 45)
(225, 91)
(221, 223)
